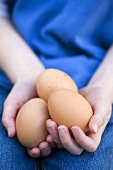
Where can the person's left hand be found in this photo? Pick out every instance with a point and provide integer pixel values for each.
(99, 99)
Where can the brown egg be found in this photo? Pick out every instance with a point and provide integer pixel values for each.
(69, 108)
(31, 123)
(52, 79)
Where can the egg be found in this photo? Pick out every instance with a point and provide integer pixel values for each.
(52, 79)
(31, 123)
(69, 108)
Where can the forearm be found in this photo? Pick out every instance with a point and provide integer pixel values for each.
(16, 58)
(103, 77)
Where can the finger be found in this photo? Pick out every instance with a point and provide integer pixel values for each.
(44, 149)
(68, 142)
(8, 117)
(49, 139)
(89, 143)
(99, 118)
(35, 152)
(52, 128)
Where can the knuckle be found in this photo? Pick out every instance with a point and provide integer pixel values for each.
(81, 141)
(65, 143)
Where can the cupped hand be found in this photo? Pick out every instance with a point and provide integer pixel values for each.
(99, 99)
(23, 90)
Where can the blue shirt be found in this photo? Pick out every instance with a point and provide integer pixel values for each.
(70, 35)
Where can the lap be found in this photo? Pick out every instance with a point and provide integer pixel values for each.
(12, 155)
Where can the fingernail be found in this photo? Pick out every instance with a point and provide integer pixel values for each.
(61, 130)
(95, 127)
(74, 130)
(51, 128)
(45, 148)
(9, 131)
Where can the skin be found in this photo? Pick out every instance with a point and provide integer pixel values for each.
(101, 105)
(98, 92)
(23, 67)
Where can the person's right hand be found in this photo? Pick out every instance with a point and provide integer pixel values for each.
(23, 90)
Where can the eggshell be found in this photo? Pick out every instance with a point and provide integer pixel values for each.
(69, 108)
(52, 79)
(31, 123)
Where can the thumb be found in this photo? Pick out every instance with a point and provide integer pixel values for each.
(11, 106)
(16, 98)
(8, 118)
(98, 119)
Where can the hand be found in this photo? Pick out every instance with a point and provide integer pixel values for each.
(99, 99)
(23, 90)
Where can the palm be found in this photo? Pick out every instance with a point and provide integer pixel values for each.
(22, 91)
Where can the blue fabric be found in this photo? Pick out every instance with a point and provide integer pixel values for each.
(73, 36)
(70, 35)
(14, 157)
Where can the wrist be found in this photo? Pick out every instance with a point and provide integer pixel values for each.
(30, 78)
(103, 86)
(103, 77)
(26, 73)
(28, 82)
